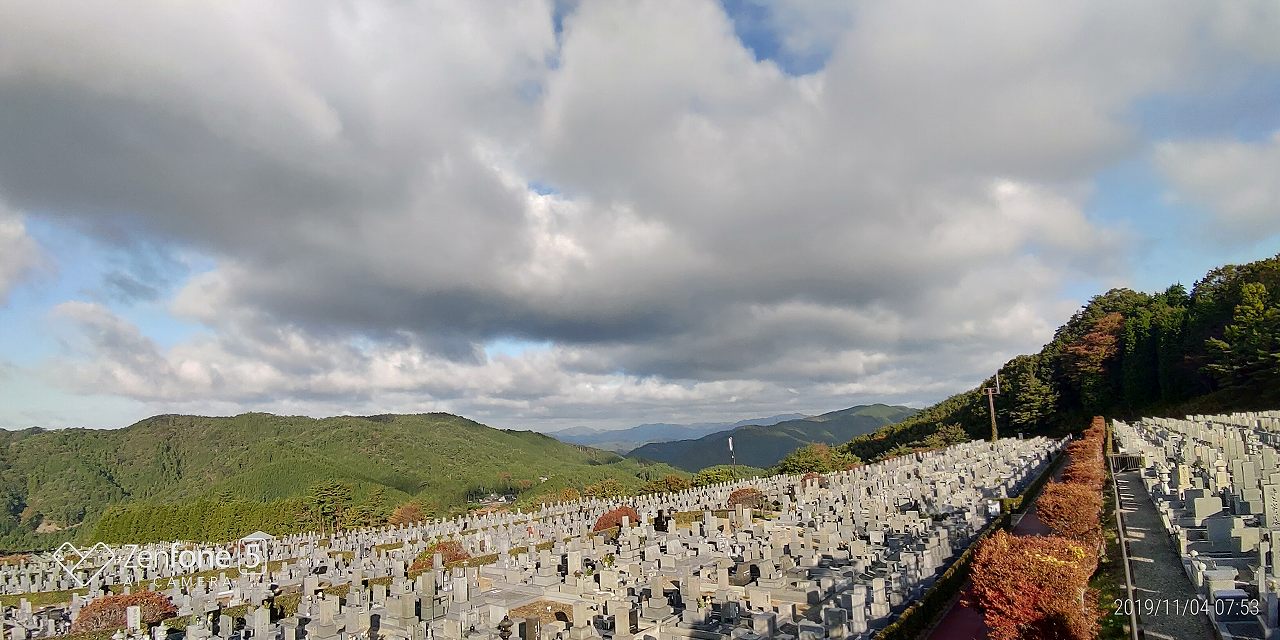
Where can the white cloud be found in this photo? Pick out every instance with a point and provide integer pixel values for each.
(19, 253)
(885, 228)
(1237, 183)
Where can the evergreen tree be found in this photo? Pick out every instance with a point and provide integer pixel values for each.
(330, 501)
(1031, 398)
(1249, 349)
(816, 458)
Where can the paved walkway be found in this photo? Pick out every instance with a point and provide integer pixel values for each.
(1156, 566)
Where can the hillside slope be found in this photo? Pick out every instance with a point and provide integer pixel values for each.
(70, 477)
(1213, 349)
(624, 440)
(764, 446)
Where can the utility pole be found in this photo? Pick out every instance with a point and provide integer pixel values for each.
(992, 392)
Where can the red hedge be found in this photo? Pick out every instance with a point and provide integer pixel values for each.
(1072, 510)
(1035, 587)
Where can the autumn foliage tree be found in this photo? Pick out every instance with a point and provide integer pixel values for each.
(613, 518)
(407, 513)
(1091, 358)
(1212, 349)
(1035, 587)
(105, 613)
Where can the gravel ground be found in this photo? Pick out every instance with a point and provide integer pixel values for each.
(1157, 568)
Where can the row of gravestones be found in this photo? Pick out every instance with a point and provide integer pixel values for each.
(1215, 484)
(849, 550)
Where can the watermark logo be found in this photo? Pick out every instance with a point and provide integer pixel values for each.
(71, 558)
(247, 556)
(180, 558)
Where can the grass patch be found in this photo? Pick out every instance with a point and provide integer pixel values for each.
(41, 598)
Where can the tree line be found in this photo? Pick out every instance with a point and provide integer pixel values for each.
(1215, 348)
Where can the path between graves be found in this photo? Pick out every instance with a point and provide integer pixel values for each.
(1157, 569)
(963, 621)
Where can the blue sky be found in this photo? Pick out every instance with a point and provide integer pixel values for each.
(695, 215)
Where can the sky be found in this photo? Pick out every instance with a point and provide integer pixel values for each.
(546, 214)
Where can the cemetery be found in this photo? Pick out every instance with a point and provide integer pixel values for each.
(805, 557)
(1215, 484)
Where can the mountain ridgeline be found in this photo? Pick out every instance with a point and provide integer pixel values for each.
(624, 440)
(765, 445)
(1213, 349)
(191, 477)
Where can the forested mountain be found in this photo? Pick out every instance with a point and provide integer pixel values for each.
(624, 440)
(764, 446)
(187, 476)
(1215, 348)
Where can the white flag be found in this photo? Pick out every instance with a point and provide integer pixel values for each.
(730, 444)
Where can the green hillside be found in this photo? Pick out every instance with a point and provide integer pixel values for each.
(764, 446)
(1215, 348)
(189, 476)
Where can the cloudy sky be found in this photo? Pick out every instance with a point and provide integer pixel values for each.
(542, 214)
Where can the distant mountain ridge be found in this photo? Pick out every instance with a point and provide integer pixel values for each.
(623, 440)
(764, 445)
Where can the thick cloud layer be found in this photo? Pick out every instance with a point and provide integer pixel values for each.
(386, 189)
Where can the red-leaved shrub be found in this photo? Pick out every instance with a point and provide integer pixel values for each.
(1072, 510)
(108, 612)
(613, 518)
(1035, 587)
(749, 497)
(450, 551)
